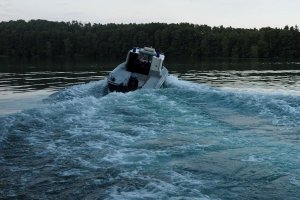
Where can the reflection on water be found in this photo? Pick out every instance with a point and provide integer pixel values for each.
(27, 84)
(52, 81)
(26, 77)
(30, 81)
(273, 81)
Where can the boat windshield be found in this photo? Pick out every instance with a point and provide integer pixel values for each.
(145, 58)
(139, 63)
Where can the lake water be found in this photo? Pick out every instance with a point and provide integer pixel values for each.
(213, 132)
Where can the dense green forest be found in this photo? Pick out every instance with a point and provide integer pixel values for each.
(46, 40)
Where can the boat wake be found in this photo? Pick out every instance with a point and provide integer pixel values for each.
(187, 140)
(96, 89)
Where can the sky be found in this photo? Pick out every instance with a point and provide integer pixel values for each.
(235, 13)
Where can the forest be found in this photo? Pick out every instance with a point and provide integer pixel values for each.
(41, 39)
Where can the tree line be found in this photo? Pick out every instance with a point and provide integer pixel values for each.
(46, 40)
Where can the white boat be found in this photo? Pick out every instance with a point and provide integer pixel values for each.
(143, 69)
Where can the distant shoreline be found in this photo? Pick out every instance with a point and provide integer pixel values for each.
(9, 65)
(46, 40)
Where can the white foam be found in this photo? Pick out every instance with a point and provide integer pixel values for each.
(130, 157)
(173, 81)
(295, 181)
(94, 88)
(71, 172)
(158, 189)
(262, 90)
(252, 158)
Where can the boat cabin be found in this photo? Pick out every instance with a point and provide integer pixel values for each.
(144, 61)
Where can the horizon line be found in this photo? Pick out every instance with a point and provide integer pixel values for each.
(154, 22)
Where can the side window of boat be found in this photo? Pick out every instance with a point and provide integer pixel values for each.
(149, 59)
(145, 58)
(132, 61)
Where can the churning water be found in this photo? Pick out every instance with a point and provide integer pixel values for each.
(207, 135)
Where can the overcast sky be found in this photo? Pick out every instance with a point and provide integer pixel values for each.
(236, 13)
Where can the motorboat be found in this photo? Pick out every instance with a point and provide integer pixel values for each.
(143, 69)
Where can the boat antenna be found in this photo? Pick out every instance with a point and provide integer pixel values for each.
(157, 53)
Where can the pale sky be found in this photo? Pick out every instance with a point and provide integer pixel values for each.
(235, 13)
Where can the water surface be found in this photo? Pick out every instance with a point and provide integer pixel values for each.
(209, 134)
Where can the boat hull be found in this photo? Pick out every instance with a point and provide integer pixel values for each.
(143, 69)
